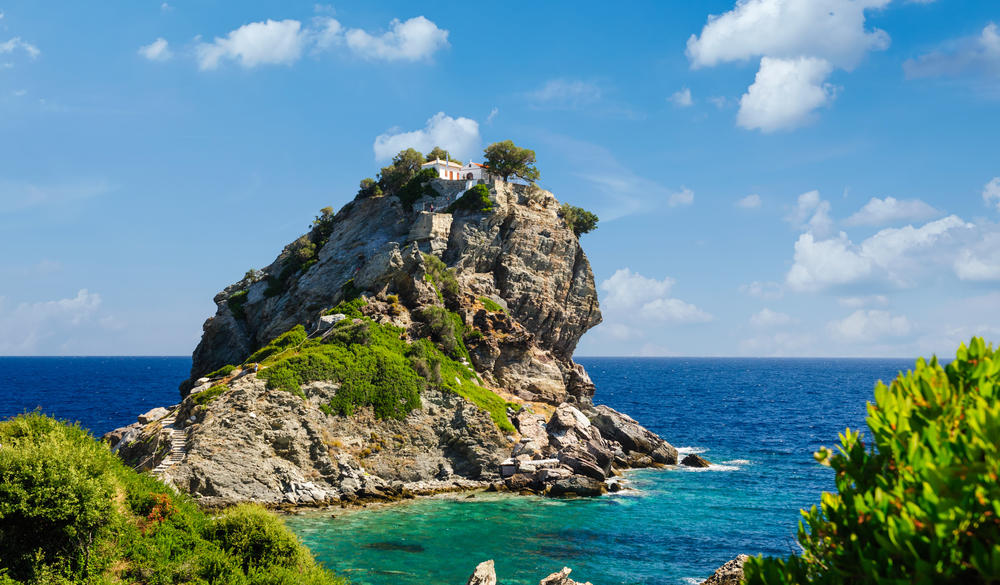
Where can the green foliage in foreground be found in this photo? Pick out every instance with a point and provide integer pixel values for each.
(377, 368)
(578, 219)
(921, 502)
(71, 512)
(476, 199)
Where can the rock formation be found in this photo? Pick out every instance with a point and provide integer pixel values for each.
(485, 574)
(517, 286)
(730, 573)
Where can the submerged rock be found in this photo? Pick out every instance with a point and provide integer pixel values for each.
(694, 460)
(730, 573)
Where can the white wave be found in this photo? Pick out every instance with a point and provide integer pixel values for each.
(737, 462)
(691, 580)
(711, 467)
(689, 450)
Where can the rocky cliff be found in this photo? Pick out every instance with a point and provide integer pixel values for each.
(396, 350)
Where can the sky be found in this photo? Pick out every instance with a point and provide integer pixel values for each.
(773, 177)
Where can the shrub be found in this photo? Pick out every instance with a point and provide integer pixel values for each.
(578, 219)
(476, 199)
(404, 166)
(351, 309)
(223, 371)
(291, 338)
(446, 328)
(417, 187)
(256, 537)
(491, 305)
(235, 304)
(920, 503)
(207, 396)
(441, 277)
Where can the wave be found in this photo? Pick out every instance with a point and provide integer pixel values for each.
(738, 462)
(689, 450)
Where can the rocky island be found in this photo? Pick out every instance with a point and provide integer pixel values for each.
(419, 340)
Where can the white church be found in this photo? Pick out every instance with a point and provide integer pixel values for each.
(450, 170)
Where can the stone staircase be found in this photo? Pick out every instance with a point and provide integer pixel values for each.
(177, 445)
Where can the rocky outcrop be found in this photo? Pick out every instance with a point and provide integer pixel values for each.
(694, 460)
(522, 292)
(485, 574)
(730, 573)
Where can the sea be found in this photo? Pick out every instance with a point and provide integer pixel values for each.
(758, 421)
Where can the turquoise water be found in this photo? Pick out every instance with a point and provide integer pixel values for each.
(759, 420)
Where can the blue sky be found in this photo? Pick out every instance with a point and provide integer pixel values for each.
(773, 177)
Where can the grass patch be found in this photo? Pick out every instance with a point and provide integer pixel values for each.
(491, 305)
(207, 396)
(223, 371)
(72, 512)
(350, 309)
(291, 338)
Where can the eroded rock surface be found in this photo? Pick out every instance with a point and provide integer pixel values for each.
(730, 573)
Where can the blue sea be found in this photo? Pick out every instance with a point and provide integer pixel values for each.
(758, 420)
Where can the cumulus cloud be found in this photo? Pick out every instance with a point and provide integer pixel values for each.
(979, 54)
(459, 136)
(158, 50)
(870, 326)
(879, 212)
(415, 39)
(25, 327)
(565, 94)
(749, 202)
(799, 43)
(991, 193)
(632, 297)
(272, 42)
(892, 254)
(785, 94)
(833, 30)
(766, 318)
(863, 301)
(682, 98)
(763, 290)
(681, 198)
(16, 44)
(811, 213)
(981, 260)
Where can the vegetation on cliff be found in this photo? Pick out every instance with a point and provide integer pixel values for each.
(476, 199)
(71, 512)
(506, 160)
(920, 503)
(578, 219)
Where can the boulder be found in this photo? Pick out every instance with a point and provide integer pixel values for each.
(484, 574)
(153, 415)
(579, 459)
(577, 485)
(561, 578)
(327, 321)
(730, 573)
(615, 426)
(692, 460)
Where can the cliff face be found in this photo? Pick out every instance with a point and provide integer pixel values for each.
(503, 294)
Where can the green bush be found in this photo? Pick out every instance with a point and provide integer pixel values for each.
(417, 187)
(491, 305)
(235, 304)
(71, 512)
(351, 309)
(578, 219)
(207, 396)
(223, 371)
(921, 502)
(404, 166)
(291, 338)
(476, 199)
(446, 328)
(442, 278)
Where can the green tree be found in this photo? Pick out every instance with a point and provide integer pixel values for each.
(506, 160)
(438, 153)
(404, 166)
(578, 219)
(369, 188)
(920, 503)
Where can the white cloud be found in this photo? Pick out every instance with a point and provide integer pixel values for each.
(682, 98)
(719, 101)
(158, 50)
(863, 301)
(164, 7)
(832, 30)
(325, 33)
(980, 261)
(566, 93)
(785, 94)
(749, 202)
(25, 327)
(16, 44)
(879, 212)
(682, 198)
(493, 115)
(870, 326)
(811, 213)
(637, 300)
(977, 55)
(763, 290)
(991, 193)
(766, 318)
(459, 136)
(779, 344)
(415, 39)
(272, 42)
(893, 254)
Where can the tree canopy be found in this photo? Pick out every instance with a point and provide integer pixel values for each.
(506, 160)
(404, 166)
(438, 153)
(578, 219)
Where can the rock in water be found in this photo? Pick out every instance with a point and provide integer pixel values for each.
(693, 460)
(561, 578)
(730, 573)
(484, 574)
